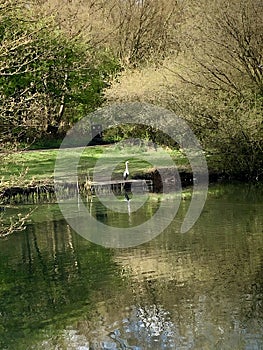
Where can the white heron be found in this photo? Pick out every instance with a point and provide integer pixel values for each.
(126, 171)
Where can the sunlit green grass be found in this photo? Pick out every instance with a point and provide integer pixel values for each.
(38, 165)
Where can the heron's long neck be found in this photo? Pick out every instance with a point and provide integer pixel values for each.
(127, 170)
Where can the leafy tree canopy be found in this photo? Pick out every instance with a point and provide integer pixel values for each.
(47, 80)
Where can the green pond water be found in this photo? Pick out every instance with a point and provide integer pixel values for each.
(198, 290)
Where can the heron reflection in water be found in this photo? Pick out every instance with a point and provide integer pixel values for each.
(128, 202)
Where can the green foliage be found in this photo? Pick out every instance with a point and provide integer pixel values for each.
(230, 129)
(144, 133)
(47, 80)
(50, 79)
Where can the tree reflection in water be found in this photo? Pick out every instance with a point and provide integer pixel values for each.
(198, 291)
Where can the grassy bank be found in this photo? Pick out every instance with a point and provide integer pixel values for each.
(23, 168)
